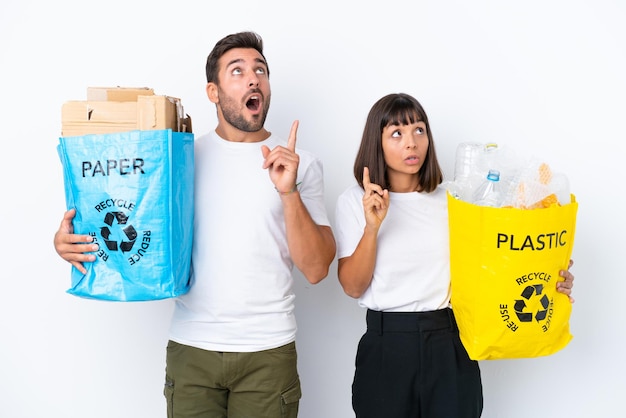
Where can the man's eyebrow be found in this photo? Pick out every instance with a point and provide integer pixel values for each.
(235, 61)
(240, 60)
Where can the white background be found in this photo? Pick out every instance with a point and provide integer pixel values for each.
(546, 77)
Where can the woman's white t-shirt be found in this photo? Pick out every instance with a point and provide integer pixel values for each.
(412, 270)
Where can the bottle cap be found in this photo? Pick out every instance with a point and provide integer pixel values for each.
(493, 175)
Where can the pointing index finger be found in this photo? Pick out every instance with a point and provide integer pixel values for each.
(366, 177)
(291, 142)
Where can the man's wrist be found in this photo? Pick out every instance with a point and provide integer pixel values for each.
(293, 189)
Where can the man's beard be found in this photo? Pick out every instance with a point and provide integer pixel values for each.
(230, 110)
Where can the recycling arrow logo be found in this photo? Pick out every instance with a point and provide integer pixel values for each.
(531, 294)
(117, 235)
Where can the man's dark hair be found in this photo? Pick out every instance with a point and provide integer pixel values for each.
(235, 40)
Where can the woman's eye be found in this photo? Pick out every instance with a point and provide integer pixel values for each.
(420, 130)
(395, 134)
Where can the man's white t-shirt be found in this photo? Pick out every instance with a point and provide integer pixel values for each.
(241, 297)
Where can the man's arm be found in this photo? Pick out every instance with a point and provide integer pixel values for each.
(312, 247)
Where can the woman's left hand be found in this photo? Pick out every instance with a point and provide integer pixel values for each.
(566, 285)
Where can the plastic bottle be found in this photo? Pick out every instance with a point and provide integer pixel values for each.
(467, 157)
(466, 174)
(488, 193)
(490, 158)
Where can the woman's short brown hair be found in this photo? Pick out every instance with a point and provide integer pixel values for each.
(394, 109)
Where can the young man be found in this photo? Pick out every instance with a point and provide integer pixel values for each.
(259, 209)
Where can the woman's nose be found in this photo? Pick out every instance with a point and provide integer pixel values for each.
(411, 143)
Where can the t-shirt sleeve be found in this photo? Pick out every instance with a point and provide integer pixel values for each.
(349, 221)
(312, 191)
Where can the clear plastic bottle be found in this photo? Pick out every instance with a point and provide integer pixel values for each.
(473, 161)
(466, 174)
(488, 193)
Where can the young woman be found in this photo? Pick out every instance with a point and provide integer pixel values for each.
(393, 251)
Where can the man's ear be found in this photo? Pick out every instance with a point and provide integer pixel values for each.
(211, 92)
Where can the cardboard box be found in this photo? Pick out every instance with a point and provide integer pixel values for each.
(147, 112)
(118, 94)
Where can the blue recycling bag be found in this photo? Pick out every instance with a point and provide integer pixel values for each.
(133, 193)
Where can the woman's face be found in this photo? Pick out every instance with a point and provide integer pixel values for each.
(404, 147)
